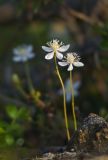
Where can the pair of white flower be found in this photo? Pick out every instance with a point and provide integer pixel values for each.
(55, 47)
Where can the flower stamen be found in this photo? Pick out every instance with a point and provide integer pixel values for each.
(72, 57)
(55, 47)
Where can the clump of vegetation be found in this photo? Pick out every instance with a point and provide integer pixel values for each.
(12, 129)
(55, 49)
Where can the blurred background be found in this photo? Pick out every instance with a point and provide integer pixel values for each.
(81, 23)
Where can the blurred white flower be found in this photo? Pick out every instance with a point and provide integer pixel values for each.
(76, 86)
(23, 53)
(71, 59)
(55, 47)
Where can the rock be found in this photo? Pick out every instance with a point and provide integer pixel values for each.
(48, 156)
(91, 136)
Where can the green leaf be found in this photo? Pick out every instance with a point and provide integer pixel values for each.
(12, 112)
(2, 130)
(9, 140)
(23, 113)
(3, 124)
(15, 129)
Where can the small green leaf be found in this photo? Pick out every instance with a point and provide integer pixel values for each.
(12, 112)
(2, 130)
(23, 113)
(9, 140)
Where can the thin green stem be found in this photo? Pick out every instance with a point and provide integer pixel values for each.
(33, 93)
(73, 106)
(29, 78)
(64, 99)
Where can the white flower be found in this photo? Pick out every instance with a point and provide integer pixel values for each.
(76, 86)
(55, 47)
(71, 59)
(23, 53)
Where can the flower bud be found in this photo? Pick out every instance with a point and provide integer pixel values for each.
(15, 79)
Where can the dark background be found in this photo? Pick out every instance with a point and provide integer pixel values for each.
(80, 23)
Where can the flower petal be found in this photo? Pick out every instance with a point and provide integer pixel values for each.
(78, 64)
(70, 68)
(47, 49)
(68, 96)
(28, 48)
(15, 51)
(59, 55)
(49, 56)
(63, 63)
(17, 58)
(64, 48)
(30, 55)
(24, 58)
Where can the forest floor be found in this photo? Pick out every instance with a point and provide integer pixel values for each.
(72, 156)
(89, 142)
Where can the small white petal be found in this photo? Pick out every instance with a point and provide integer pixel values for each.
(47, 49)
(78, 64)
(64, 48)
(63, 63)
(77, 84)
(16, 51)
(59, 55)
(49, 56)
(24, 58)
(17, 58)
(70, 68)
(68, 97)
(31, 55)
(29, 48)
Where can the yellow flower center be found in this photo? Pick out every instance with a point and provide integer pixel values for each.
(55, 45)
(22, 51)
(70, 58)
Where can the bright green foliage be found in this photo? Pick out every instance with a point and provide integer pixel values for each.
(11, 131)
(17, 113)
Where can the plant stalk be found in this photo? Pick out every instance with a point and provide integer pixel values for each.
(73, 106)
(64, 98)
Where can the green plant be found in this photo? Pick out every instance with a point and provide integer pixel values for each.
(55, 49)
(12, 130)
